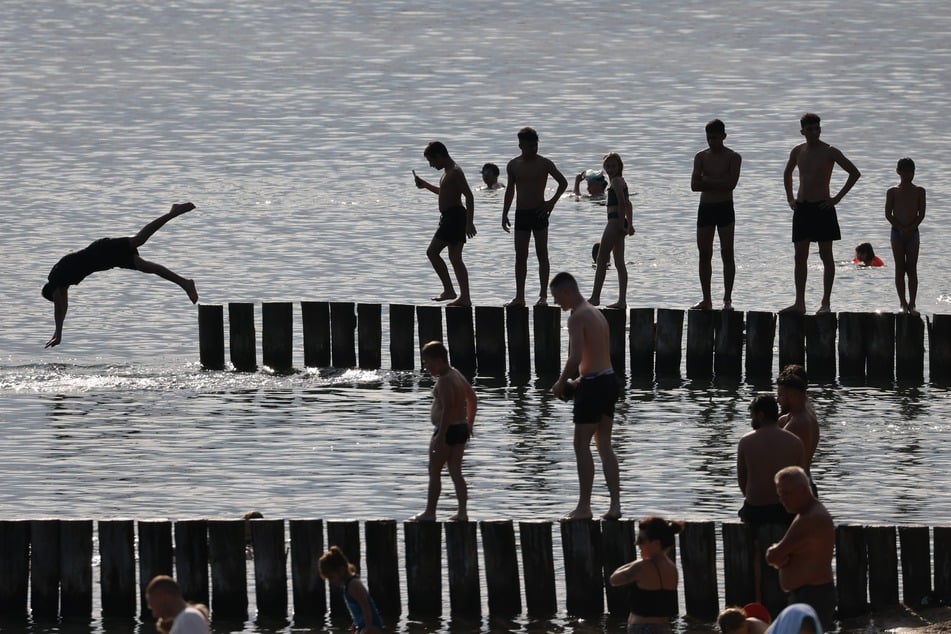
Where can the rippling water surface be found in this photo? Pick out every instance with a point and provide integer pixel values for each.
(294, 127)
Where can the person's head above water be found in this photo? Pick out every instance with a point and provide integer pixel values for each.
(865, 253)
(596, 182)
(490, 174)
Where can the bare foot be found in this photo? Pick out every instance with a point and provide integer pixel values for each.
(594, 301)
(423, 517)
(542, 301)
(912, 311)
(461, 516)
(445, 295)
(462, 301)
(795, 308)
(702, 305)
(181, 208)
(613, 514)
(577, 514)
(727, 305)
(621, 305)
(824, 309)
(191, 290)
(516, 301)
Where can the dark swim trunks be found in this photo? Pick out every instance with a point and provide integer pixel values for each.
(811, 223)
(595, 398)
(531, 219)
(912, 238)
(716, 214)
(452, 225)
(457, 434)
(101, 255)
(765, 514)
(821, 598)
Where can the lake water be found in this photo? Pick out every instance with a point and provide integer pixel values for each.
(294, 128)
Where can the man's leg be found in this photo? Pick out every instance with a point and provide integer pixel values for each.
(911, 268)
(459, 482)
(438, 455)
(828, 275)
(898, 250)
(729, 263)
(802, 258)
(157, 269)
(433, 253)
(610, 467)
(541, 251)
(146, 232)
(522, 238)
(462, 275)
(582, 442)
(705, 247)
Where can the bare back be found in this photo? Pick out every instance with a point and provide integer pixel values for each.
(805, 425)
(452, 187)
(453, 400)
(588, 328)
(529, 176)
(760, 454)
(809, 541)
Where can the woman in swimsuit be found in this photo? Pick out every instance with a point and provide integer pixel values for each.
(620, 225)
(652, 578)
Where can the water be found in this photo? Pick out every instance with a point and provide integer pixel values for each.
(294, 130)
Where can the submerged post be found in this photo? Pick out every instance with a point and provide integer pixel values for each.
(241, 337)
(851, 570)
(315, 317)
(915, 564)
(538, 567)
(909, 348)
(229, 587)
(44, 569)
(584, 583)
(383, 577)
(75, 587)
(402, 323)
(670, 328)
(516, 327)
(155, 557)
(617, 549)
(310, 592)
(738, 584)
(852, 346)
(728, 351)
(369, 335)
(760, 335)
(820, 346)
(191, 559)
(792, 337)
(642, 343)
(15, 568)
(423, 568)
(116, 569)
(700, 338)
(942, 563)
(429, 322)
(882, 565)
(547, 321)
(501, 568)
(461, 338)
(277, 347)
(462, 559)
(344, 534)
(343, 326)
(270, 564)
(880, 350)
(490, 340)
(211, 336)
(698, 551)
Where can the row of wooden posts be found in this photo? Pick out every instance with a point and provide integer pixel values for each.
(872, 346)
(53, 559)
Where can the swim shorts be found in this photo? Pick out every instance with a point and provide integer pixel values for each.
(648, 628)
(457, 434)
(716, 214)
(595, 398)
(452, 225)
(101, 255)
(912, 238)
(531, 219)
(810, 222)
(821, 598)
(765, 514)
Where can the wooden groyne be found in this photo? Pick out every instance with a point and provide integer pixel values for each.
(645, 343)
(46, 567)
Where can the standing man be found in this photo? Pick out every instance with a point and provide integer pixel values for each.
(814, 217)
(804, 554)
(455, 222)
(595, 393)
(798, 415)
(528, 175)
(715, 173)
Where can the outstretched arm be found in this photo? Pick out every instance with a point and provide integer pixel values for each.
(422, 184)
(60, 305)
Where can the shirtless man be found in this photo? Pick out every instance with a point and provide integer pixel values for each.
(167, 605)
(102, 255)
(760, 454)
(715, 173)
(905, 209)
(455, 222)
(798, 415)
(528, 174)
(595, 393)
(453, 415)
(804, 554)
(814, 217)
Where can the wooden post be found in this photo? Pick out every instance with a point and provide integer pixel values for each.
(617, 549)
(191, 559)
(547, 322)
(738, 581)
(760, 335)
(490, 340)
(345, 534)
(915, 564)
(461, 338)
(383, 577)
(15, 568)
(820, 346)
(516, 327)
(939, 349)
(942, 563)
(880, 346)
(852, 346)
(343, 325)
(670, 328)
(315, 318)
(792, 336)
(584, 583)
(310, 592)
(882, 566)
(617, 323)
(277, 349)
(728, 352)
(211, 336)
(241, 337)
(117, 568)
(423, 568)
(642, 343)
(270, 568)
(155, 557)
(462, 558)
(773, 596)
(370, 335)
(698, 548)
(429, 322)
(851, 571)
(501, 568)
(700, 338)
(229, 584)
(44, 569)
(909, 348)
(538, 568)
(75, 568)
(402, 323)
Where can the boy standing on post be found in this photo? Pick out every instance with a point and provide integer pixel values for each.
(905, 209)
(814, 216)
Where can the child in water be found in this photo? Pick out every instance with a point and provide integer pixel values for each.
(336, 569)
(865, 255)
